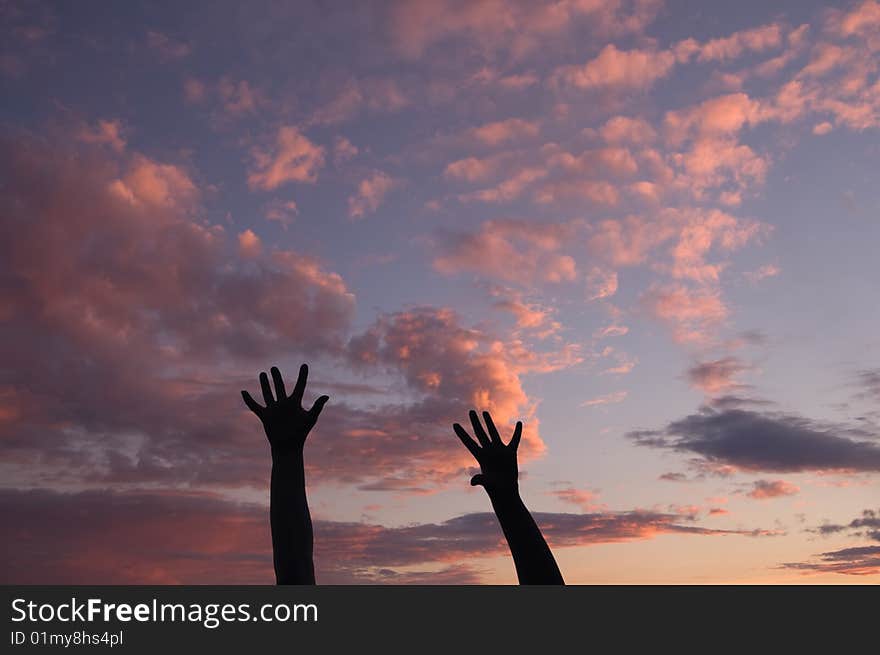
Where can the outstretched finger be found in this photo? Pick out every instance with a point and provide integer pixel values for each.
(465, 438)
(490, 425)
(478, 429)
(279, 383)
(267, 390)
(315, 411)
(300, 387)
(252, 404)
(517, 435)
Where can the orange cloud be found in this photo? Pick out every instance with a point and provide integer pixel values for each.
(249, 243)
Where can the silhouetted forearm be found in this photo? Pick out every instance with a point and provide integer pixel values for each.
(531, 555)
(292, 543)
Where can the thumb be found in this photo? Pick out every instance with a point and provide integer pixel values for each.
(478, 480)
(315, 411)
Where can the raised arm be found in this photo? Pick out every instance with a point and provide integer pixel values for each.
(499, 476)
(287, 425)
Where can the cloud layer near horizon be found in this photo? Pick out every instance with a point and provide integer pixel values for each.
(191, 538)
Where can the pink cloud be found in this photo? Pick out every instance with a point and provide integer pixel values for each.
(764, 489)
(106, 132)
(691, 313)
(377, 95)
(453, 368)
(613, 68)
(511, 250)
(517, 26)
(752, 40)
(716, 376)
(701, 232)
(583, 498)
(647, 191)
(864, 17)
(529, 316)
(292, 158)
(238, 98)
(623, 368)
(186, 295)
(343, 150)
(627, 241)
(498, 132)
(713, 163)
(281, 211)
(510, 189)
(598, 192)
(611, 331)
(617, 161)
(150, 184)
(722, 115)
(607, 399)
(762, 273)
(249, 244)
(194, 91)
(114, 269)
(167, 47)
(601, 284)
(371, 192)
(622, 129)
(473, 169)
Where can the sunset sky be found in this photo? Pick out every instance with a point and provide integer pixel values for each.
(647, 229)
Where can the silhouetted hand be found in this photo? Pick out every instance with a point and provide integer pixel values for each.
(498, 468)
(285, 421)
(499, 475)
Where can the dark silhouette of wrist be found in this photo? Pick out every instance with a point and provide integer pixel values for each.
(505, 493)
(288, 454)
